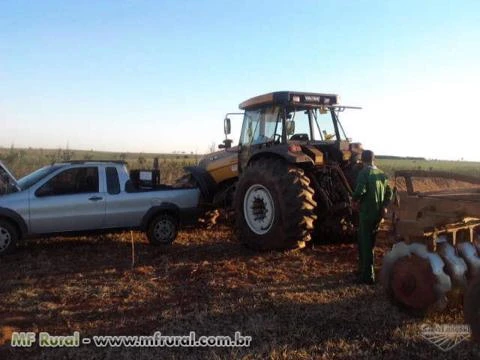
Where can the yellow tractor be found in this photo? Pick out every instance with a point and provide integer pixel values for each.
(290, 178)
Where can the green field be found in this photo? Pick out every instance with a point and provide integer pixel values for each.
(460, 167)
(23, 161)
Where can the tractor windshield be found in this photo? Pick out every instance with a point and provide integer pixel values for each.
(261, 126)
(266, 125)
(313, 124)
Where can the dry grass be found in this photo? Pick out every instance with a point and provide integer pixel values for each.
(295, 305)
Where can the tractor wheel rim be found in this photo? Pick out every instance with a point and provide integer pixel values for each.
(5, 238)
(163, 230)
(259, 209)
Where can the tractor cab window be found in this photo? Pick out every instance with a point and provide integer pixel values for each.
(261, 126)
(324, 125)
(323, 129)
(298, 125)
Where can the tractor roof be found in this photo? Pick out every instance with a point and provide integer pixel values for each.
(290, 97)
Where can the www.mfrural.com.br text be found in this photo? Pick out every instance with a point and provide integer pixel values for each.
(44, 339)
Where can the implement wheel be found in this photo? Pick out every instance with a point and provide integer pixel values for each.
(413, 283)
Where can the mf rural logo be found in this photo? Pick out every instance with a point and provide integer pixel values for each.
(445, 337)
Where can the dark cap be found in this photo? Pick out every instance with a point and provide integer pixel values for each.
(368, 156)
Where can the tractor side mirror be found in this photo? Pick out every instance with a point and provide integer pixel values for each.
(290, 127)
(227, 126)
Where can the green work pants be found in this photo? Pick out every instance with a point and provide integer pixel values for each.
(366, 242)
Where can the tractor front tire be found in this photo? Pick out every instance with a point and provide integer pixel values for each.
(274, 206)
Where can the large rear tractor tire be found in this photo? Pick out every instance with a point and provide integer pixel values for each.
(471, 308)
(274, 206)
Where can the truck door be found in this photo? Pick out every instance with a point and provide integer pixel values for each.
(72, 200)
(122, 210)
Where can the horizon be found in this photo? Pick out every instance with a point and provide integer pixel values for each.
(191, 153)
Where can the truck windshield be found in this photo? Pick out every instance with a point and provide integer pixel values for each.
(34, 177)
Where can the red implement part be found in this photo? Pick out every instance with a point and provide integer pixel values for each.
(472, 308)
(413, 282)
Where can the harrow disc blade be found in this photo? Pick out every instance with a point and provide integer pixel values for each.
(413, 283)
(472, 308)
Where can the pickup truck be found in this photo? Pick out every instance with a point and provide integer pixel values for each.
(91, 196)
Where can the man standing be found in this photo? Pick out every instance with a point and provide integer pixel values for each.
(373, 193)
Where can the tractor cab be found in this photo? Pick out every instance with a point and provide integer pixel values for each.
(299, 126)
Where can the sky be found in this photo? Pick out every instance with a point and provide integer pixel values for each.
(159, 76)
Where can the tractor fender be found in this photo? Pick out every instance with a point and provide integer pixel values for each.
(205, 182)
(289, 156)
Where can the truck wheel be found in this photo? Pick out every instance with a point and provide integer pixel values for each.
(274, 206)
(471, 308)
(162, 230)
(8, 237)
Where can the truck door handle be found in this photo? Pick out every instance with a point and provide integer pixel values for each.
(95, 198)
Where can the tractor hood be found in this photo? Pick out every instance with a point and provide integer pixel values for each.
(8, 183)
(218, 155)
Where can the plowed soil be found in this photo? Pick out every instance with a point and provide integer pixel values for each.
(295, 305)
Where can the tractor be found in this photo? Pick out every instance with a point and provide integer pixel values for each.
(295, 168)
(436, 256)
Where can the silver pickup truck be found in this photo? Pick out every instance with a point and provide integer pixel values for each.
(87, 196)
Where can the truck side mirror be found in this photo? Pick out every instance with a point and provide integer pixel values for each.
(290, 127)
(227, 126)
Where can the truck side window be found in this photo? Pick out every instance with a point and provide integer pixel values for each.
(113, 184)
(72, 181)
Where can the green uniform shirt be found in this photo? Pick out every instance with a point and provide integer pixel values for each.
(372, 191)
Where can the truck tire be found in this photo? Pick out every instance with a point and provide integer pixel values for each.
(162, 230)
(274, 206)
(471, 308)
(8, 237)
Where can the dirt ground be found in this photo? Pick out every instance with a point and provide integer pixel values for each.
(295, 305)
